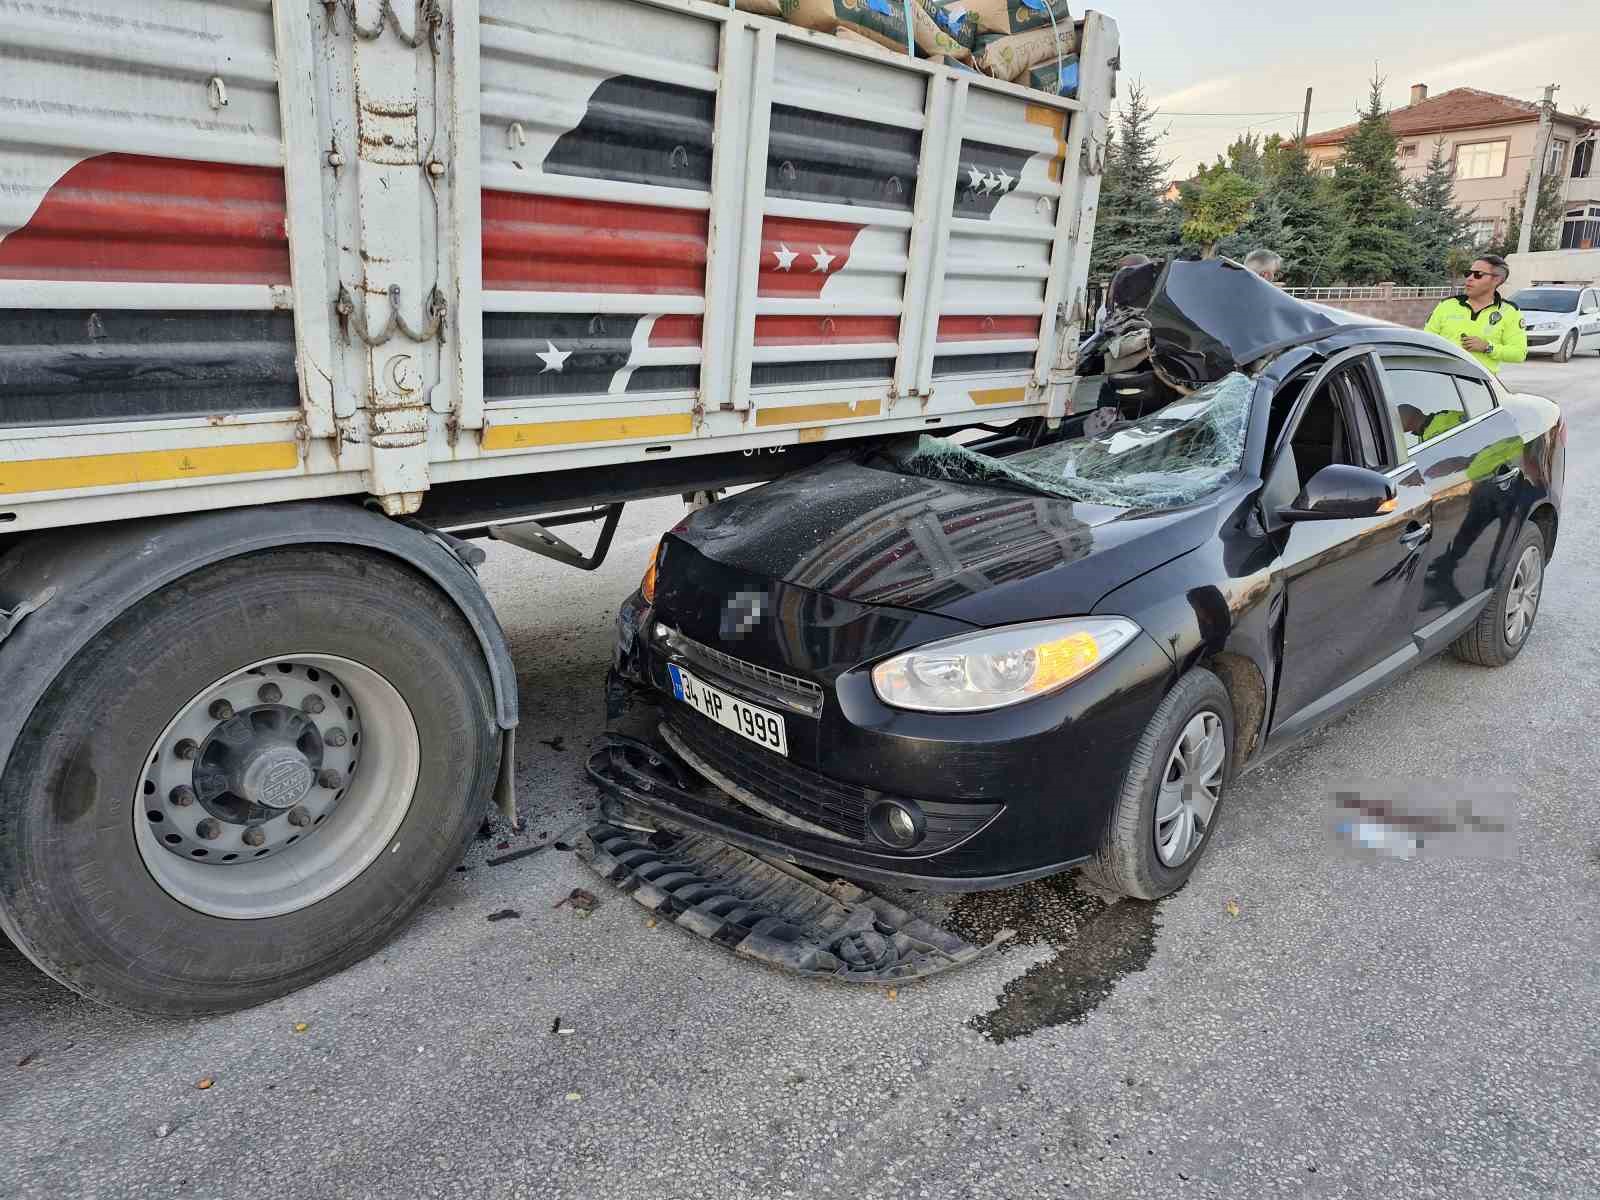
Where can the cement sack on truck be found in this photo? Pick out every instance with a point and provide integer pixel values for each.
(1062, 81)
(1012, 56)
(1007, 16)
(883, 21)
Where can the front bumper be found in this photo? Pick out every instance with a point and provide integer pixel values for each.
(1006, 796)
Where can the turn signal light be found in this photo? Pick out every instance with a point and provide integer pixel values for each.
(647, 586)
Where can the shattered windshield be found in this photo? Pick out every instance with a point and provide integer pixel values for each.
(1165, 460)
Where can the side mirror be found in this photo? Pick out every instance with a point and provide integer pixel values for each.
(1342, 493)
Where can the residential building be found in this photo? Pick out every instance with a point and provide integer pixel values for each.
(1491, 139)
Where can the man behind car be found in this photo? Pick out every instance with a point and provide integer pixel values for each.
(1265, 264)
(1480, 320)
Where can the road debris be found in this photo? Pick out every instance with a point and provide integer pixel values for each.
(163, 1130)
(574, 1095)
(301, 1026)
(1231, 908)
(498, 859)
(557, 743)
(27, 1058)
(505, 914)
(582, 902)
(205, 1084)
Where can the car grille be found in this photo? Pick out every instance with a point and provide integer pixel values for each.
(1542, 339)
(789, 691)
(840, 808)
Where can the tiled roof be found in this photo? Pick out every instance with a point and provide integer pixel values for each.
(1459, 108)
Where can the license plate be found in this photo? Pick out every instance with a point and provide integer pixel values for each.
(749, 722)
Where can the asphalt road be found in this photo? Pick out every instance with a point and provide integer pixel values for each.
(1294, 1023)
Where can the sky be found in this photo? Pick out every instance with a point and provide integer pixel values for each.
(1217, 69)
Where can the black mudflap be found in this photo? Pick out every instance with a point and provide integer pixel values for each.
(771, 911)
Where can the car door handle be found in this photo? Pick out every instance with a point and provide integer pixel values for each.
(1506, 474)
(1416, 535)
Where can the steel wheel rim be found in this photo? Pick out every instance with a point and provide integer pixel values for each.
(341, 826)
(1522, 601)
(1191, 787)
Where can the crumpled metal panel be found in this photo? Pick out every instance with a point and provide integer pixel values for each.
(770, 911)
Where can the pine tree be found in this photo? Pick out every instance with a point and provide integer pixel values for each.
(1378, 243)
(1297, 217)
(1443, 228)
(1133, 219)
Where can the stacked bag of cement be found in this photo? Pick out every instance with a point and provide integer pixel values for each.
(1031, 42)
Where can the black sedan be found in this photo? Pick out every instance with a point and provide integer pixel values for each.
(952, 669)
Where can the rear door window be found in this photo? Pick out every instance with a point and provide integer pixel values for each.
(1429, 404)
(1475, 395)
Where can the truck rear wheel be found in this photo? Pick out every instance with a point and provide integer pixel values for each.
(246, 782)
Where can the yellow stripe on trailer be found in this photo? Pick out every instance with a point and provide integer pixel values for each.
(1011, 395)
(145, 466)
(806, 414)
(1054, 120)
(573, 433)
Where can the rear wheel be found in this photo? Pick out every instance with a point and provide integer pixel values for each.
(1569, 345)
(1503, 626)
(1171, 797)
(246, 782)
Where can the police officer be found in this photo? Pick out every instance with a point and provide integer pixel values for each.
(1480, 320)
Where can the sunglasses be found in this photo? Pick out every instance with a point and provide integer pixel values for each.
(1479, 274)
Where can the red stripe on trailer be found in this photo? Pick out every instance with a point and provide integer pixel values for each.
(825, 331)
(799, 257)
(977, 329)
(132, 218)
(556, 244)
(677, 331)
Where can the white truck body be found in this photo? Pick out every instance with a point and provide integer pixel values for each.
(643, 228)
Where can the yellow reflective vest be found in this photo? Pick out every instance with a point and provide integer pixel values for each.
(1499, 324)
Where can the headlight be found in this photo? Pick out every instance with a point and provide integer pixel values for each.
(647, 585)
(980, 671)
(1541, 328)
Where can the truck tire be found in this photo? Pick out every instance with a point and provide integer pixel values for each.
(247, 781)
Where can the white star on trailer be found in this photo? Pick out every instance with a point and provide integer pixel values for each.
(553, 359)
(990, 183)
(977, 179)
(824, 261)
(785, 257)
(1005, 181)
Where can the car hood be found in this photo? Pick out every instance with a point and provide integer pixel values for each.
(1214, 317)
(972, 553)
(1530, 315)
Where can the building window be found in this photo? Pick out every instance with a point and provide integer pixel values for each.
(1482, 232)
(1583, 159)
(1481, 160)
(1555, 162)
(1409, 150)
(1581, 231)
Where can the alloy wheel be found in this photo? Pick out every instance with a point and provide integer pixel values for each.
(1191, 787)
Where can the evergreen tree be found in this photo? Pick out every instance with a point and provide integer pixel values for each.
(1443, 228)
(1378, 242)
(1546, 219)
(1133, 219)
(1298, 217)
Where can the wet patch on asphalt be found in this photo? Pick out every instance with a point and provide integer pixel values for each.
(1097, 942)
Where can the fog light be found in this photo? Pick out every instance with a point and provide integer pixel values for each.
(897, 824)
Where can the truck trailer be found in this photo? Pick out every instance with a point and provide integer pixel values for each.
(304, 297)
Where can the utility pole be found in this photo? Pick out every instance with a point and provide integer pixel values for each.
(1541, 151)
(1305, 121)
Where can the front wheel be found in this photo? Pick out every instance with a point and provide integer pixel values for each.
(246, 782)
(1171, 796)
(1569, 346)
